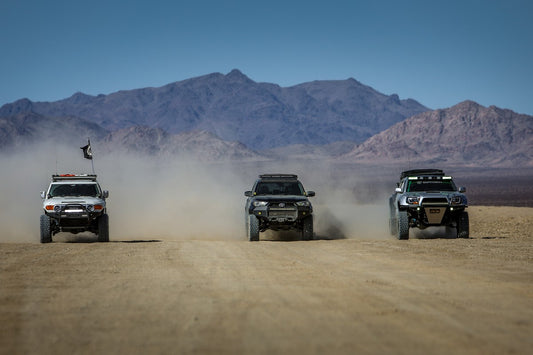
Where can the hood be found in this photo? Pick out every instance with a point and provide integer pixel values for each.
(82, 200)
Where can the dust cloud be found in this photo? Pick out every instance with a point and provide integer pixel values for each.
(178, 198)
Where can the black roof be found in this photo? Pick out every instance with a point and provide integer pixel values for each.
(419, 172)
(278, 176)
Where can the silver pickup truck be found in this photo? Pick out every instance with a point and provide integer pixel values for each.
(425, 198)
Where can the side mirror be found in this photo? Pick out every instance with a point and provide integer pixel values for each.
(310, 193)
(462, 189)
(248, 193)
(43, 194)
(105, 194)
(398, 189)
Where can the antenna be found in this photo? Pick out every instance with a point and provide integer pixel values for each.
(55, 153)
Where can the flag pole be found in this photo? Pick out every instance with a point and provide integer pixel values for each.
(91, 153)
(88, 153)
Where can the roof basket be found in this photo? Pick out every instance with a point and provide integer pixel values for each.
(62, 177)
(278, 176)
(418, 172)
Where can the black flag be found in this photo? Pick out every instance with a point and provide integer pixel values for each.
(87, 152)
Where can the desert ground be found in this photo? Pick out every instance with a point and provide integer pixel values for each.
(365, 294)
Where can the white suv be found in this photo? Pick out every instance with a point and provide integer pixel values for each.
(74, 203)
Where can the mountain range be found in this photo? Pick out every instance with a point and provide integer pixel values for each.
(235, 108)
(230, 116)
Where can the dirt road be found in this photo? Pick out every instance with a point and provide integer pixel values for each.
(385, 296)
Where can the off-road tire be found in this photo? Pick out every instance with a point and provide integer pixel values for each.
(307, 228)
(463, 225)
(253, 228)
(46, 231)
(403, 226)
(103, 228)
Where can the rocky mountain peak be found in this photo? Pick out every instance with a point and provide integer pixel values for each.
(19, 106)
(237, 76)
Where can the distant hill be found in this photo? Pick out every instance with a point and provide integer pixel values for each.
(236, 108)
(26, 128)
(200, 145)
(465, 134)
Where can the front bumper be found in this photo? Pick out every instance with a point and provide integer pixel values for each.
(73, 215)
(281, 215)
(433, 215)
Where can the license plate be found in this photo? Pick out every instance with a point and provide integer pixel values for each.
(434, 210)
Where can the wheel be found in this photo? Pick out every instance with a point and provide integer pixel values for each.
(307, 228)
(46, 231)
(463, 225)
(403, 226)
(253, 228)
(103, 228)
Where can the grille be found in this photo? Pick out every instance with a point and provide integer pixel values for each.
(290, 213)
(435, 201)
(282, 205)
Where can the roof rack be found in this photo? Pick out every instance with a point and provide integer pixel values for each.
(418, 172)
(278, 176)
(61, 177)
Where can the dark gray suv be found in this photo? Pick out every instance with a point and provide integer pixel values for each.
(278, 202)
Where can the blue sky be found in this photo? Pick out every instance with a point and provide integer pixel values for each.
(437, 52)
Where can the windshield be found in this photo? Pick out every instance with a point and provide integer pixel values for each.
(74, 190)
(279, 188)
(430, 185)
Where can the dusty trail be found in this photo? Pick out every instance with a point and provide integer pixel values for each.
(420, 296)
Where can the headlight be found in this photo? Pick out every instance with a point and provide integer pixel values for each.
(303, 203)
(260, 203)
(456, 200)
(413, 200)
(57, 208)
(90, 208)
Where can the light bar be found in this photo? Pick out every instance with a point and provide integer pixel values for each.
(74, 177)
